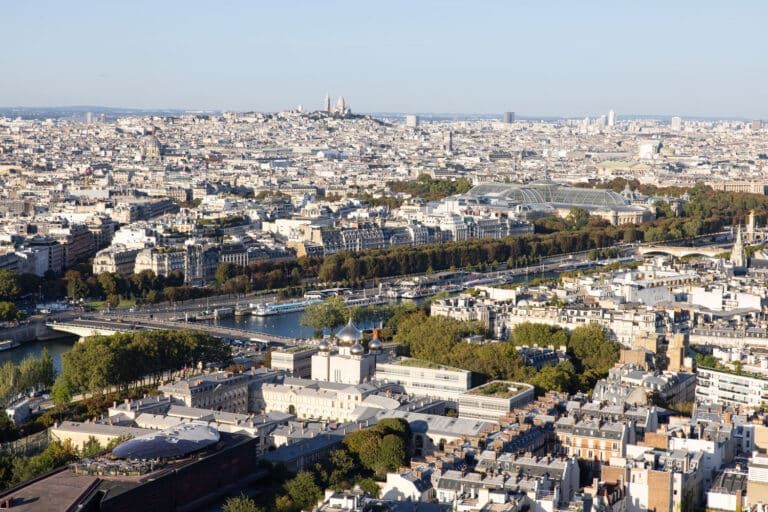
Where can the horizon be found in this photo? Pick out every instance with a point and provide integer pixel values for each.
(560, 60)
(518, 116)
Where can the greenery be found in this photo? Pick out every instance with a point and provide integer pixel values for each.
(365, 454)
(9, 312)
(31, 374)
(125, 359)
(430, 189)
(328, 314)
(241, 504)
(438, 340)
(10, 287)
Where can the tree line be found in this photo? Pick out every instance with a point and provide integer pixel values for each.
(440, 340)
(124, 360)
(33, 373)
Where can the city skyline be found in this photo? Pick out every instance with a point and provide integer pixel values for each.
(540, 61)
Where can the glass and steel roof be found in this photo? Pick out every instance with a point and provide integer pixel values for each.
(547, 192)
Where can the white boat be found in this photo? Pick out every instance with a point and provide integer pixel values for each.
(8, 344)
(279, 308)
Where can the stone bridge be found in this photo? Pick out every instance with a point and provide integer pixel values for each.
(681, 251)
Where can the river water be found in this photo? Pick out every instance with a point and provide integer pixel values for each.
(287, 325)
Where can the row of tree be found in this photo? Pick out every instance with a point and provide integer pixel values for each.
(31, 374)
(125, 360)
(439, 339)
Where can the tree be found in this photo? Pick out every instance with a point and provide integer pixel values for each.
(113, 300)
(227, 271)
(370, 486)
(9, 312)
(392, 454)
(9, 285)
(543, 335)
(589, 344)
(77, 289)
(108, 283)
(303, 490)
(578, 218)
(328, 314)
(61, 394)
(241, 504)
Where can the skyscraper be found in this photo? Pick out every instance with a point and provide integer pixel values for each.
(676, 124)
(611, 118)
(411, 121)
(508, 117)
(327, 104)
(757, 125)
(449, 141)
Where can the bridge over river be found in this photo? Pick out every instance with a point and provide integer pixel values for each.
(87, 326)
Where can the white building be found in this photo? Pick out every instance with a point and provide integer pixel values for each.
(424, 378)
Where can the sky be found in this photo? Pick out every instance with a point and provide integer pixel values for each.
(537, 58)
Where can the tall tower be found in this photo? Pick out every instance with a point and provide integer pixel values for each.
(327, 104)
(449, 141)
(341, 105)
(751, 228)
(508, 117)
(738, 258)
(611, 118)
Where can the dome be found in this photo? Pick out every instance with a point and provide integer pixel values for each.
(357, 349)
(349, 334)
(324, 346)
(375, 344)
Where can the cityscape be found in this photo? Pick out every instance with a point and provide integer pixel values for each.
(299, 291)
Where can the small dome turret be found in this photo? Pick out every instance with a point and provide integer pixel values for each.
(357, 349)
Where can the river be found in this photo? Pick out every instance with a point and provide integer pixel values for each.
(286, 325)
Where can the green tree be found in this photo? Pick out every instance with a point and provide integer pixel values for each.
(9, 312)
(77, 289)
(241, 504)
(9, 285)
(543, 335)
(392, 454)
(590, 345)
(303, 490)
(61, 393)
(370, 486)
(578, 218)
(330, 313)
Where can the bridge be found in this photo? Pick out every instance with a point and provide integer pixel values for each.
(681, 251)
(85, 326)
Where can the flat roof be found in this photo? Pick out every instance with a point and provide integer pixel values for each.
(57, 492)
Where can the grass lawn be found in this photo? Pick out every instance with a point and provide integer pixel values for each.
(101, 304)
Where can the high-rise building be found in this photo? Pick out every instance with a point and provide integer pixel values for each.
(327, 104)
(757, 125)
(411, 121)
(449, 141)
(676, 124)
(508, 117)
(88, 117)
(611, 118)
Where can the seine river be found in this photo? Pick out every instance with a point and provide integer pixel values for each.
(286, 325)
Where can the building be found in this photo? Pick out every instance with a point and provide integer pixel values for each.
(294, 361)
(508, 117)
(594, 441)
(721, 386)
(424, 378)
(412, 121)
(115, 259)
(494, 400)
(221, 391)
(349, 363)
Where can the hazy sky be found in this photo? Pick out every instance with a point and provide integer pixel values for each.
(575, 57)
